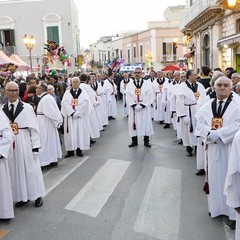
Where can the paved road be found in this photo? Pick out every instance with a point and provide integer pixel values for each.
(117, 193)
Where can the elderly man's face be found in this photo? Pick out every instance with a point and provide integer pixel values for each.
(223, 88)
(75, 83)
(12, 92)
(235, 79)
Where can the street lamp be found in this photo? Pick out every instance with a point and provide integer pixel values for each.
(30, 43)
(231, 4)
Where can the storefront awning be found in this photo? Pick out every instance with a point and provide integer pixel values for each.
(188, 54)
(234, 38)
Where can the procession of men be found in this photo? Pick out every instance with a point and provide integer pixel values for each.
(204, 113)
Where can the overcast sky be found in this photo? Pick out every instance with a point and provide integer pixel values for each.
(107, 17)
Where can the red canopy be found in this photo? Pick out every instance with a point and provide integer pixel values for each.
(173, 68)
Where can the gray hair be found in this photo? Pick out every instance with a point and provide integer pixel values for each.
(12, 83)
(223, 78)
(215, 76)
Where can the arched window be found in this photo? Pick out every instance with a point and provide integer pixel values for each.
(206, 50)
(7, 31)
(52, 27)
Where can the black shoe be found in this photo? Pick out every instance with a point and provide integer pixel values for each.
(38, 202)
(133, 144)
(167, 125)
(189, 154)
(180, 142)
(5, 220)
(147, 144)
(92, 142)
(161, 122)
(232, 225)
(79, 152)
(104, 125)
(53, 164)
(111, 118)
(20, 204)
(200, 172)
(69, 154)
(44, 168)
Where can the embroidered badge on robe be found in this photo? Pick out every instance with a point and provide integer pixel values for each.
(217, 123)
(197, 95)
(74, 103)
(14, 127)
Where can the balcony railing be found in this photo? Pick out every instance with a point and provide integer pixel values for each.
(8, 50)
(197, 8)
(169, 58)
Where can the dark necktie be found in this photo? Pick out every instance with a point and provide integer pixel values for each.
(138, 84)
(219, 108)
(11, 111)
(193, 87)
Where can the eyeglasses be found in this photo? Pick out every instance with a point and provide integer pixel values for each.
(13, 90)
(137, 72)
(223, 84)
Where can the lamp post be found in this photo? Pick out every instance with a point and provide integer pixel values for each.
(30, 43)
(231, 4)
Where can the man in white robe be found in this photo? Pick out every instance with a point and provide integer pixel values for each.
(99, 87)
(6, 141)
(166, 103)
(232, 183)
(123, 86)
(139, 99)
(186, 107)
(76, 110)
(111, 93)
(174, 86)
(49, 120)
(159, 109)
(24, 166)
(93, 121)
(217, 123)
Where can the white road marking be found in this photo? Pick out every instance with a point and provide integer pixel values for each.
(93, 196)
(159, 215)
(54, 177)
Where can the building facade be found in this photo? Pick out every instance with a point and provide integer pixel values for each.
(55, 20)
(212, 34)
(160, 45)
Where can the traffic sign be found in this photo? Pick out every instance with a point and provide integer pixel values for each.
(181, 65)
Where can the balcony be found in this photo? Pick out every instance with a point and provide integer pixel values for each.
(197, 9)
(8, 50)
(169, 58)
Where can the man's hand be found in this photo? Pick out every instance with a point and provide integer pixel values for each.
(138, 108)
(213, 136)
(186, 120)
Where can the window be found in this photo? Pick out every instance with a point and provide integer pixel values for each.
(53, 34)
(128, 55)
(52, 27)
(141, 51)
(120, 53)
(7, 37)
(134, 52)
(169, 52)
(238, 25)
(206, 50)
